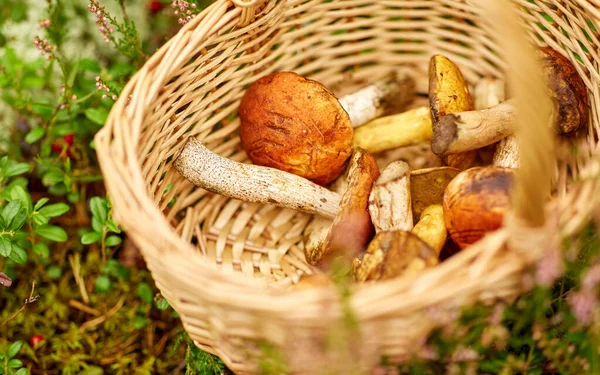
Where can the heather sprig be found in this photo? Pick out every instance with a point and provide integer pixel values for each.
(128, 43)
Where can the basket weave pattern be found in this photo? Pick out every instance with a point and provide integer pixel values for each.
(224, 265)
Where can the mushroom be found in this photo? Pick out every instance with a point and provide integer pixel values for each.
(391, 254)
(488, 93)
(393, 131)
(253, 183)
(475, 201)
(431, 227)
(448, 93)
(427, 187)
(297, 125)
(351, 229)
(389, 201)
(472, 129)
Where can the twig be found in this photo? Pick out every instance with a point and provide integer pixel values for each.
(28, 301)
(103, 318)
(76, 266)
(80, 306)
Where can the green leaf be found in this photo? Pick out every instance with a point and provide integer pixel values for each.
(14, 349)
(162, 304)
(22, 371)
(40, 203)
(41, 249)
(112, 226)
(97, 115)
(52, 178)
(116, 269)
(18, 192)
(98, 209)
(35, 135)
(5, 246)
(15, 363)
(54, 272)
(140, 321)
(19, 220)
(102, 284)
(10, 211)
(18, 255)
(55, 210)
(16, 169)
(40, 219)
(145, 293)
(90, 238)
(52, 233)
(96, 224)
(113, 241)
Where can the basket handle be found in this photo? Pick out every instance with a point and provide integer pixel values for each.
(534, 112)
(249, 8)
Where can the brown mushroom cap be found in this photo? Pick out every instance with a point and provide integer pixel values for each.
(296, 125)
(392, 254)
(475, 202)
(567, 89)
(352, 228)
(427, 187)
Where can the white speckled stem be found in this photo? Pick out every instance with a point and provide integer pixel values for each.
(373, 101)
(253, 183)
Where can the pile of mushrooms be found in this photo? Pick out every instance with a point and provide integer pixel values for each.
(317, 154)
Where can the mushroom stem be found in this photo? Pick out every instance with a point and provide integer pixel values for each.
(431, 228)
(488, 93)
(389, 202)
(398, 130)
(385, 96)
(507, 153)
(471, 130)
(253, 183)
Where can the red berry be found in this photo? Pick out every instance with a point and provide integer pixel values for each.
(35, 340)
(155, 6)
(57, 148)
(69, 139)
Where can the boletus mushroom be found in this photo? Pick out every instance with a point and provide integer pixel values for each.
(475, 202)
(464, 131)
(488, 93)
(391, 254)
(253, 183)
(431, 227)
(448, 93)
(298, 125)
(352, 228)
(389, 201)
(398, 130)
(427, 187)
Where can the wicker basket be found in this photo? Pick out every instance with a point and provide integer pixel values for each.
(226, 266)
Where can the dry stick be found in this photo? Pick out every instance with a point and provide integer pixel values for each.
(80, 306)
(28, 301)
(76, 267)
(103, 318)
